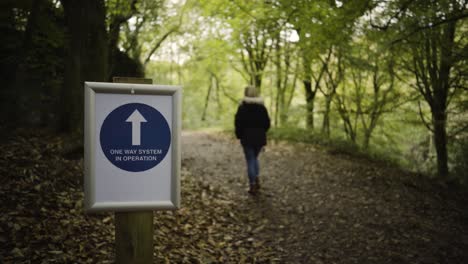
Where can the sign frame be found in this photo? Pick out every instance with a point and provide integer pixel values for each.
(91, 143)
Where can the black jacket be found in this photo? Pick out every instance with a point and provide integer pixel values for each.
(252, 122)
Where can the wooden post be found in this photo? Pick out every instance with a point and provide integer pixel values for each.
(133, 230)
(134, 237)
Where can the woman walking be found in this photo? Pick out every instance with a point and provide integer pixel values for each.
(252, 122)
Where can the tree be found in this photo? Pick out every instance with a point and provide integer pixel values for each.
(255, 53)
(430, 33)
(119, 63)
(254, 33)
(383, 96)
(307, 18)
(286, 72)
(153, 22)
(86, 58)
(253, 25)
(322, 26)
(371, 92)
(31, 61)
(332, 80)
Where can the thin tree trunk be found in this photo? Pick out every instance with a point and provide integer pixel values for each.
(367, 137)
(218, 98)
(284, 86)
(326, 116)
(258, 81)
(279, 80)
(207, 99)
(332, 85)
(309, 93)
(310, 96)
(288, 100)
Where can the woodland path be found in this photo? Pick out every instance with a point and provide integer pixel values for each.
(316, 206)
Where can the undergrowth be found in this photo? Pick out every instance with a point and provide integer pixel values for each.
(335, 145)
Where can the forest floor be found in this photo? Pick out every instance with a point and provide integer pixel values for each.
(315, 206)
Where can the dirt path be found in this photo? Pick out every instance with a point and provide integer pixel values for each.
(316, 207)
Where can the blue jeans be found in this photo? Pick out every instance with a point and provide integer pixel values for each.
(251, 156)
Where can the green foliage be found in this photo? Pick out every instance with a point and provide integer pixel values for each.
(334, 145)
(150, 24)
(358, 71)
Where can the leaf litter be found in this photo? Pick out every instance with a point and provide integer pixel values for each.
(43, 220)
(318, 206)
(314, 207)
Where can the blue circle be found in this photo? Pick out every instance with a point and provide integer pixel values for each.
(135, 137)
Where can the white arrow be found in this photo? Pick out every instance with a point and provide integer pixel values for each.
(136, 118)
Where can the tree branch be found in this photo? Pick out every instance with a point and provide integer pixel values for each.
(426, 124)
(457, 17)
(234, 100)
(158, 44)
(458, 131)
(403, 8)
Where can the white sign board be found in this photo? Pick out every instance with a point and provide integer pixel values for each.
(132, 148)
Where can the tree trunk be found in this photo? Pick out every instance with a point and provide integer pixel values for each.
(207, 99)
(332, 85)
(279, 80)
(367, 137)
(97, 53)
(439, 120)
(70, 101)
(258, 81)
(441, 91)
(86, 58)
(284, 108)
(115, 23)
(21, 84)
(310, 95)
(288, 100)
(326, 116)
(114, 30)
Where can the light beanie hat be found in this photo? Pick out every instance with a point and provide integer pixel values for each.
(250, 91)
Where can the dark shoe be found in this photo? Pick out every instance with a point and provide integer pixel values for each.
(257, 183)
(253, 189)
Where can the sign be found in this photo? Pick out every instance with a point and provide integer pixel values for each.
(132, 142)
(132, 149)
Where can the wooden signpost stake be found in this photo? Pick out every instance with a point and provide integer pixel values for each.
(134, 237)
(133, 230)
